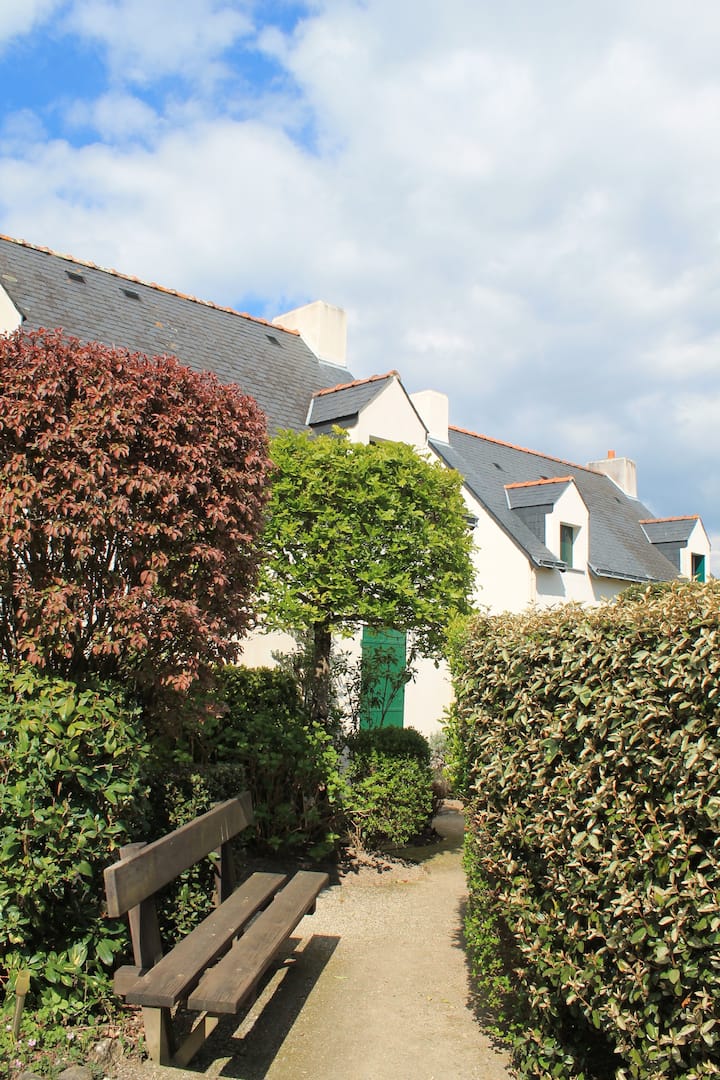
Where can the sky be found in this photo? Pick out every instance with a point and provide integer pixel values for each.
(517, 204)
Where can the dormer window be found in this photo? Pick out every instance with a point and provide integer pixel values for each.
(567, 540)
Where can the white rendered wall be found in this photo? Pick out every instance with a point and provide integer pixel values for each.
(575, 584)
(504, 579)
(10, 318)
(390, 416)
(698, 544)
(428, 697)
(258, 648)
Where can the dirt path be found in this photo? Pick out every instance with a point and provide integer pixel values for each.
(376, 988)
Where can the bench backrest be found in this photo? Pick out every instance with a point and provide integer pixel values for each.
(135, 878)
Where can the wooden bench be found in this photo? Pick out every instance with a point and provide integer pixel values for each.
(217, 967)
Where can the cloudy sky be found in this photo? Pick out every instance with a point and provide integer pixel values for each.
(516, 203)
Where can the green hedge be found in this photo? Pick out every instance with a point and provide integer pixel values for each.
(389, 795)
(588, 745)
(70, 772)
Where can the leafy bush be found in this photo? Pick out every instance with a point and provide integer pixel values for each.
(289, 763)
(390, 796)
(132, 492)
(391, 742)
(70, 762)
(590, 749)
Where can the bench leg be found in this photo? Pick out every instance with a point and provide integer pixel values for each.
(202, 1030)
(158, 1035)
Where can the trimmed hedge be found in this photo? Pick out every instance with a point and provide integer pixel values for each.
(588, 746)
(389, 797)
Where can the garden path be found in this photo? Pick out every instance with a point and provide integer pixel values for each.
(377, 987)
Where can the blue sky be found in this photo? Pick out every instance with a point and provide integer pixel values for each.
(517, 204)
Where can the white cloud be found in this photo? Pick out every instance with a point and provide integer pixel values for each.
(18, 18)
(518, 205)
(115, 117)
(146, 41)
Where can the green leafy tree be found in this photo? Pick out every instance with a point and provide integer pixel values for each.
(362, 534)
(131, 496)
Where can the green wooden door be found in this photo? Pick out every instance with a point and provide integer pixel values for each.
(384, 678)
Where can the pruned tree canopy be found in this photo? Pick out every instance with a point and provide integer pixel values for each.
(131, 496)
(363, 534)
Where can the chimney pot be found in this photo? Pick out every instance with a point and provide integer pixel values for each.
(611, 454)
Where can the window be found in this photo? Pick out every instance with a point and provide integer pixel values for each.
(698, 567)
(567, 538)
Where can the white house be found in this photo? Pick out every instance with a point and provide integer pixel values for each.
(546, 531)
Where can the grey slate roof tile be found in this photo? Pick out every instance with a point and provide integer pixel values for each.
(669, 530)
(618, 546)
(273, 365)
(535, 494)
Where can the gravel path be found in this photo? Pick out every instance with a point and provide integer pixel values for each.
(376, 988)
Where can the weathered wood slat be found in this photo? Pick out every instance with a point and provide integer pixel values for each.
(132, 880)
(225, 987)
(172, 977)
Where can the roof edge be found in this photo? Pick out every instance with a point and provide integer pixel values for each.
(540, 483)
(523, 449)
(147, 284)
(355, 382)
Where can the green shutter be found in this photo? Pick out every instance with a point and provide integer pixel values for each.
(383, 670)
(698, 567)
(567, 535)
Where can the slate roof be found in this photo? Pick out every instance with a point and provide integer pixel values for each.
(273, 365)
(618, 546)
(674, 530)
(342, 403)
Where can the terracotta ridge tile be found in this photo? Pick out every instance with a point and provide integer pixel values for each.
(679, 517)
(547, 480)
(523, 449)
(356, 382)
(147, 284)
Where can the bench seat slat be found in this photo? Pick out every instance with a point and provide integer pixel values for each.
(169, 981)
(225, 986)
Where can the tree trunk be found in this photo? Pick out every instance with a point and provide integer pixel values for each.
(320, 703)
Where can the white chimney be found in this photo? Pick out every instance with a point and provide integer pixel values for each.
(322, 327)
(621, 470)
(434, 411)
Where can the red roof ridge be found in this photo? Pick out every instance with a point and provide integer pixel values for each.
(546, 480)
(679, 517)
(356, 382)
(523, 449)
(147, 284)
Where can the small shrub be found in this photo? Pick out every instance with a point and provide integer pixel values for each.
(70, 768)
(390, 791)
(391, 742)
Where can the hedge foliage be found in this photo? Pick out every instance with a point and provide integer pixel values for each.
(588, 745)
(389, 795)
(70, 771)
(289, 763)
